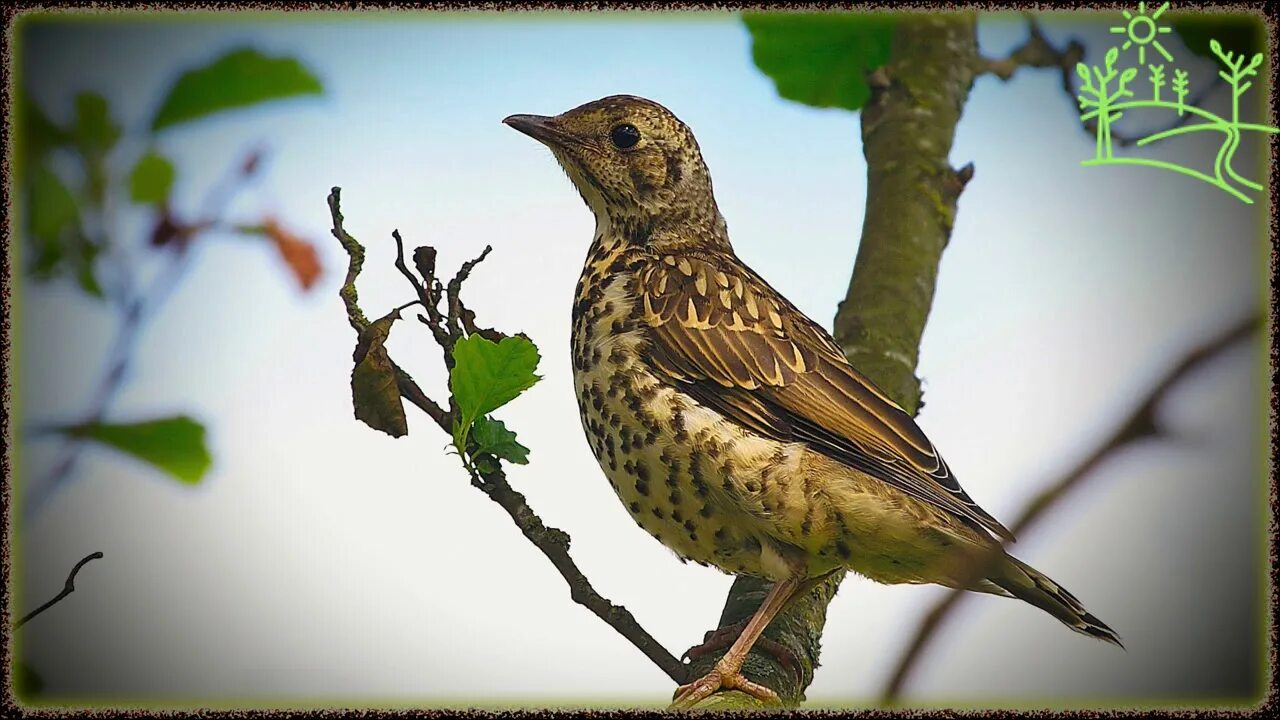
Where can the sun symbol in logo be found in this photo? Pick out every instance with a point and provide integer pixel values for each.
(1142, 30)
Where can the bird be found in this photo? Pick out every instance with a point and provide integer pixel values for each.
(731, 425)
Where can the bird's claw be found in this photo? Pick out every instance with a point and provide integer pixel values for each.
(686, 696)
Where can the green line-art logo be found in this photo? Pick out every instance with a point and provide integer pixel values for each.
(1104, 103)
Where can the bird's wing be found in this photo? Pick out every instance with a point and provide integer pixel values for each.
(728, 339)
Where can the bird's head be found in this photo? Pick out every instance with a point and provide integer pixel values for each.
(635, 164)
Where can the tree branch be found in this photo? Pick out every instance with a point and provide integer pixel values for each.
(68, 588)
(447, 327)
(1038, 52)
(1141, 423)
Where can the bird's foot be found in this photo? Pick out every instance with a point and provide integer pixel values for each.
(722, 638)
(721, 677)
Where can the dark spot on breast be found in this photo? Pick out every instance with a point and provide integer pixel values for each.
(700, 488)
(842, 549)
(642, 487)
(642, 472)
(721, 534)
(675, 515)
(677, 422)
(635, 507)
(705, 511)
(674, 497)
(658, 513)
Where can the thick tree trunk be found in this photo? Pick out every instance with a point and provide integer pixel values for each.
(907, 129)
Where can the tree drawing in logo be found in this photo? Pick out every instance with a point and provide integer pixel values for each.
(1105, 103)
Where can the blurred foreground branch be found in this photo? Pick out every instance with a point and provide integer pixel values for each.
(450, 326)
(1141, 423)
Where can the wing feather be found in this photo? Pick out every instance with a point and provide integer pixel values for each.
(728, 339)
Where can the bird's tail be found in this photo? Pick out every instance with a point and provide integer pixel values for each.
(1030, 585)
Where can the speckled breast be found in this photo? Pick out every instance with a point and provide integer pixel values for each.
(696, 483)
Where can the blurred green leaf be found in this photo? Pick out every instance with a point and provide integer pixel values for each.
(27, 683)
(175, 444)
(820, 58)
(492, 436)
(58, 243)
(375, 390)
(39, 134)
(151, 179)
(53, 208)
(240, 78)
(93, 130)
(1237, 33)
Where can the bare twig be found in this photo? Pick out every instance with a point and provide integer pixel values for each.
(1139, 424)
(1038, 52)
(448, 327)
(67, 589)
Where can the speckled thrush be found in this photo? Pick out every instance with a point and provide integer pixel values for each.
(730, 425)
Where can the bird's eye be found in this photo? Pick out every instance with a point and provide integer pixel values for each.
(624, 136)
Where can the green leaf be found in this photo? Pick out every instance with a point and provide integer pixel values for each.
(820, 58)
(1200, 31)
(39, 134)
(93, 130)
(487, 375)
(53, 209)
(492, 437)
(151, 179)
(58, 244)
(175, 445)
(375, 389)
(238, 79)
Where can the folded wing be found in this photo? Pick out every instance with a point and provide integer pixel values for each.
(724, 336)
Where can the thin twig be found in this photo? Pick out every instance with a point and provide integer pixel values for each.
(447, 328)
(1139, 424)
(67, 589)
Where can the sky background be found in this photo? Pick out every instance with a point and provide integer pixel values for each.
(323, 562)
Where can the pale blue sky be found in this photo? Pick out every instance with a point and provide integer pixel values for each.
(321, 559)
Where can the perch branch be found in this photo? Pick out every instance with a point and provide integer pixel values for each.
(447, 328)
(1141, 423)
(1038, 52)
(68, 588)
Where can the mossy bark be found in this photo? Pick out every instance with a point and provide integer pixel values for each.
(907, 130)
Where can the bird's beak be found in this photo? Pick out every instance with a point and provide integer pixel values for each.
(541, 128)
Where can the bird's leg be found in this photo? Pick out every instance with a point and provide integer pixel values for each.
(721, 638)
(727, 673)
